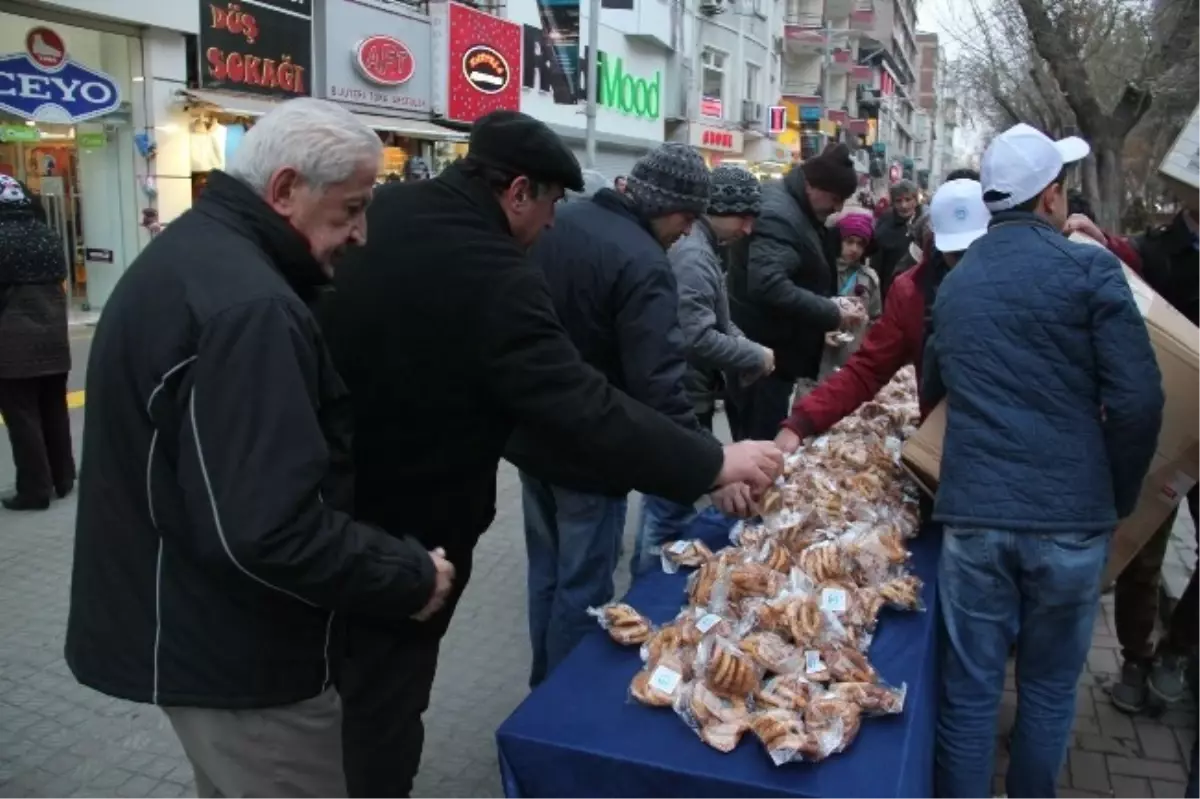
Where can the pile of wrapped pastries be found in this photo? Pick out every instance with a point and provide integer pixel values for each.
(774, 635)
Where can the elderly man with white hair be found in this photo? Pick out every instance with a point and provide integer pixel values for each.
(214, 554)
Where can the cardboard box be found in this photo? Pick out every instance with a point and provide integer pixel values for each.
(1181, 164)
(1174, 468)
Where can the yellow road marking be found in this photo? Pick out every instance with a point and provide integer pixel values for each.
(74, 400)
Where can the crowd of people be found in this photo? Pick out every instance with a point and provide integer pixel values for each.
(293, 427)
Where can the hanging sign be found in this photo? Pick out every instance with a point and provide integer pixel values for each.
(255, 49)
(46, 85)
(92, 140)
(776, 119)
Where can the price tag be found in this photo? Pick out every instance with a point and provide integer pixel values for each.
(812, 662)
(678, 548)
(665, 680)
(833, 600)
(707, 622)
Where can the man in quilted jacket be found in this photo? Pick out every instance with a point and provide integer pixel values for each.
(1054, 404)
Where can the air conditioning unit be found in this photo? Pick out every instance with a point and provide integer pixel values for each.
(752, 112)
(711, 7)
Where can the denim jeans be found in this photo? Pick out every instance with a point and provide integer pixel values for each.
(661, 521)
(997, 587)
(574, 542)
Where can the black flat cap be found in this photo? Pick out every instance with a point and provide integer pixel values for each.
(519, 143)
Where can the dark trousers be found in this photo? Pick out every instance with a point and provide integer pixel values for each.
(756, 411)
(385, 682)
(1135, 601)
(39, 429)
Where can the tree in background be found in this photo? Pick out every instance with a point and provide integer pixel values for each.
(1120, 73)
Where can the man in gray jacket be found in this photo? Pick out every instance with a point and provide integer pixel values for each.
(717, 352)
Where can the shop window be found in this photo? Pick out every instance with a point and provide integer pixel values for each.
(712, 83)
(752, 79)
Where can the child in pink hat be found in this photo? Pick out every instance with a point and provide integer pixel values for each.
(854, 280)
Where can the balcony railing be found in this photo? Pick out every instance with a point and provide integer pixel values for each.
(803, 19)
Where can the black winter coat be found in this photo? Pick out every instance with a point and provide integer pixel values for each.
(781, 279)
(446, 334)
(1170, 265)
(212, 550)
(33, 304)
(890, 246)
(614, 291)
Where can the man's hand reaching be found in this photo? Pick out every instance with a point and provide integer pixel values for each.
(734, 500)
(442, 586)
(757, 463)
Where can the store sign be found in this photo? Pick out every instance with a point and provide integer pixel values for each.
(478, 59)
(619, 87)
(776, 119)
(18, 133)
(92, 140)
(375, 56)
(711, 107)
(894, 173)
(718, 139)
(630, 94)
(384, 61)
(256, 49)
(45, 84)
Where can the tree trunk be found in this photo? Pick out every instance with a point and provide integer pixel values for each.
(1089, 181)
(1110, 184)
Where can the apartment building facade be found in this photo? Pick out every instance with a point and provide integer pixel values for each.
(850, 72)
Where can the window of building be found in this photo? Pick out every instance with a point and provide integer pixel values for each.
(752, 73)
(712, 83)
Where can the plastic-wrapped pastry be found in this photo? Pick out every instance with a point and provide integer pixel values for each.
(786, 692)
(659, 682)
(771, 652)
(830, 712)
(690, 553)
(697, 623)
(848, 665)
(719, 721)
(700, 583)
(624, 624)
(775, 556)
(784, 735)
(873, 699)
(727, 670)
(822, 562)
(902, 592)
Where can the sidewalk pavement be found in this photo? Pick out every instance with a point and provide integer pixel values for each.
(58, 738)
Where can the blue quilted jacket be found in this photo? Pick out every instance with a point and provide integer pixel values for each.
(1053, 393)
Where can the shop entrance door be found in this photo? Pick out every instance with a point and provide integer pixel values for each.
(56, 202)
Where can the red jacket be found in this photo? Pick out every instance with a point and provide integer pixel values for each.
(893, 342)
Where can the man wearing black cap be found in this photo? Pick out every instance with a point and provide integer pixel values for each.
(780, 287)
(447, 337)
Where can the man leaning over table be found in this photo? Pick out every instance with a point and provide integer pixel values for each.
(1032, 336)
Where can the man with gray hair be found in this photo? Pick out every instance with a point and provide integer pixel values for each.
(214, 553)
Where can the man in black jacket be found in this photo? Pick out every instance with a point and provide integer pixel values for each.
(1170, 256)
(780, 286)
(214, 552)
(892, 233)
(606, 264)
(447, 335)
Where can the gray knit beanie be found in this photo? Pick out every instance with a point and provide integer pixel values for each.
(735, 192)
(669, 179)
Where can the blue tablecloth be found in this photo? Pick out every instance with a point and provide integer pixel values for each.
(579, 735)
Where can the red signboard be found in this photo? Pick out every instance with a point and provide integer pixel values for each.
(46, 48)
(384, 61)
(894, 173)
(710, 107)
(777, 119)
(483, 64)
(717, 138)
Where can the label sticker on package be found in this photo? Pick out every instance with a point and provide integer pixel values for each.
(812, 662)
(1177, 487)
(833, 600)
(665, 680)
(678, 548)
(707, 622)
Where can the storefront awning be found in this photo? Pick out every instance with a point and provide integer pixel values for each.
(255, 107)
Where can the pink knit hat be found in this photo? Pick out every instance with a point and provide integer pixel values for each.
(860, 225)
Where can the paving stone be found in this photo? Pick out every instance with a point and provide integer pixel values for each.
(1166, 789)
(140, 785)
(1130, 787)
(1109, 746)
(1153, 769)
(1103, 661)
(1186, 737)
(1088, 771)
(1114, 723)
(1158, 742)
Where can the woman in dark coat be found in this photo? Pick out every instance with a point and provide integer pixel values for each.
(35, 355)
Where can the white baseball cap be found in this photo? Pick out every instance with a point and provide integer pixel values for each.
(1022, 161)
(958, 215)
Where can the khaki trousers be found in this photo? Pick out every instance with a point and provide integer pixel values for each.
(295, 750)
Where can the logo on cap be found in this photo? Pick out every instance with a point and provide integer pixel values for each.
(485, 69)
(960, 213)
